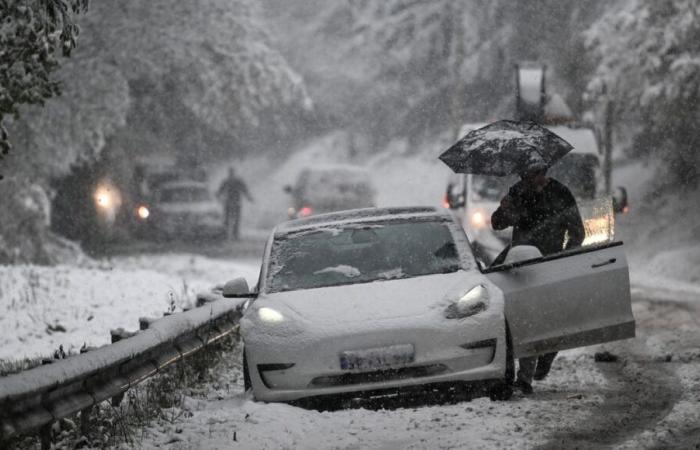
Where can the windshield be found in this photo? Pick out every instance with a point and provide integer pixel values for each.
(491, 188)
(184, 195)
(361, 253)
(578, 172)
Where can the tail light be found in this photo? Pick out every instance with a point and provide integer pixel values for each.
(305, 211)
(445, 202)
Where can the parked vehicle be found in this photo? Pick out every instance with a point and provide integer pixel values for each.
(182, 209)
(327, 188)
(385, 299)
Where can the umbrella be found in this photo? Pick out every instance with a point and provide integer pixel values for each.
(504, 148)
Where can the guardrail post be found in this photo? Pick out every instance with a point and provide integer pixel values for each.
(85, 420)
(45, 436)
(145, 322)
(118, 335)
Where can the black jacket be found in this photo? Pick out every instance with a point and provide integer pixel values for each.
(232, 189)
(542, 219)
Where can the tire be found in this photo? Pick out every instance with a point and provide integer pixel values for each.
(503, 390)
(247, 385)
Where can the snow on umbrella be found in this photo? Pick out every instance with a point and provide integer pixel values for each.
(504, 148)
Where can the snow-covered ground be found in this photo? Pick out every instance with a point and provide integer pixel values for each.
(44, 307)
(647, 399)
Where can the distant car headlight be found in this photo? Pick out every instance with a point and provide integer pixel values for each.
(473, 302)
(270, 315)
(143, 212)
(104, 197)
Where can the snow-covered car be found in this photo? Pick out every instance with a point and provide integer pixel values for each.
(325, 188)
(183, 209)
(383, 299)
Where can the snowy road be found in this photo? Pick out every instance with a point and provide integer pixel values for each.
(649, 398)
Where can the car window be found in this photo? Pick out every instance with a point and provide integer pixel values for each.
(578, 172)
(360, 254)
(598, 229)
(184, 195)
(491, 188)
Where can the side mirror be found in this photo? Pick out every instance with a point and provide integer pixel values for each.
(619, 199)
(287, 188)
(522, 253)
(237, 288)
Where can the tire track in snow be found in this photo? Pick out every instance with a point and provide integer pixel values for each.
(648, 389)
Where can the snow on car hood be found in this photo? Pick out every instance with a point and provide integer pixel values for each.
(374, 301)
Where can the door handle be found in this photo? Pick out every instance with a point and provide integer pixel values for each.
(604, 263)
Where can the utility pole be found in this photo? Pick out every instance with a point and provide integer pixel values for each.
(455, 34)
(607, 140)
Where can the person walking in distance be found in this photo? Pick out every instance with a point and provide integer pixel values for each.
(232, 191)
(543, 213)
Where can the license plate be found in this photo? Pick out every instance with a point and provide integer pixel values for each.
(377, 358)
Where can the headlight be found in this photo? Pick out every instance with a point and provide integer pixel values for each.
(103, 197)
(473, 302)
(143, 212)
(478, 219)
(270, 315)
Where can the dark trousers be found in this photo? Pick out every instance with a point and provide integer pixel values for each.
(233, 222)
(532, 366)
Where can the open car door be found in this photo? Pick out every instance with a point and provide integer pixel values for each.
(572, 299)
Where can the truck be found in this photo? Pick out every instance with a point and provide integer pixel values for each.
(473, 198)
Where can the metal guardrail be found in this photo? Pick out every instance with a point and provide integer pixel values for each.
(35, 398)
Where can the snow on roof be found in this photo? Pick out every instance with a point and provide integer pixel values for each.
(582, 139)
(358, 215)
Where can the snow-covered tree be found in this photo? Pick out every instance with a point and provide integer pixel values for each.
(648, 55)
(180, 77)
(405, 67)
(32, 33)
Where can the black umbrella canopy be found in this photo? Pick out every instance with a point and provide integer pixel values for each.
(505, 147)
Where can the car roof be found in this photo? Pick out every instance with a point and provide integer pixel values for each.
(353, 216)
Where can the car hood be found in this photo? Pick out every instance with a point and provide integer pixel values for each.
(375, 301)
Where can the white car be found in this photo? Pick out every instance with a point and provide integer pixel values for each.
(185, 209)
(383, 299)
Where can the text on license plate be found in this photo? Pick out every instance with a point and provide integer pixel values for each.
(377, 358)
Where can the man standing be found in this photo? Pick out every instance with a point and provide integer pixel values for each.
(232, 189)
(543, 213)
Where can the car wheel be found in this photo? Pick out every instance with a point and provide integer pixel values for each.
(247, 385)
(503, 390)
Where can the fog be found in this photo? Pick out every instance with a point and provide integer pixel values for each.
(149, 148)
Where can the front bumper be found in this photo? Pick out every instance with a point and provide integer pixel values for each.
(441, 355)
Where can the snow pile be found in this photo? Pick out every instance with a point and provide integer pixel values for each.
(44, 307)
